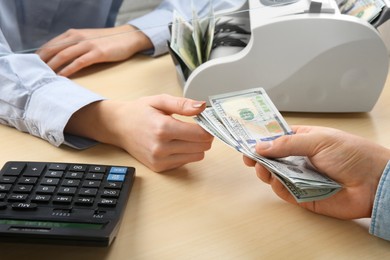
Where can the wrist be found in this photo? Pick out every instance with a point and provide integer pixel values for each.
(94, 121)
(137, 41)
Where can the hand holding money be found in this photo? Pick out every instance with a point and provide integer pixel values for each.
(241, 119)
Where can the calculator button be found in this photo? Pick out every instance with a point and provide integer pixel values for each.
(14, 169)
(57, 166)
(24, 206)
(23, 188)
(94, 176)
(51, 182)
(111, 193)
(54, 174)
(74, 175)
(84, 201)
(66, 191)
(70, 183)
(62, 199)
(28, 180)
(34, 169)
(98, 169)
(45, 189)
(2, 196)
(91, 184)
(115, 177)
(5, 187)
(7, 179)
(17, 197)
(107, 202)
(88, 192)
(78, 168)
(41, 198)
(118, 170)
(113, 185)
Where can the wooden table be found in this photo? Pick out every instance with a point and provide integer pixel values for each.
(213, 209)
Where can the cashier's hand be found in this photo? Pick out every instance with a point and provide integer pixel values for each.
(352, 161)
(146, 129)
(78, 48)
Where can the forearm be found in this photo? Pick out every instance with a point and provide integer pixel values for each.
(96, 121)
(34, 100)
(133, 39)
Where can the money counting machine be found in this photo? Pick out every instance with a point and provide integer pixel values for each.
(307, 56)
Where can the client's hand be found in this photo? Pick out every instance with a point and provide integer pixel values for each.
(352, 161)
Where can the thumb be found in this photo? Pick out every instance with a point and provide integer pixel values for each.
(287, 145)
(178, 105)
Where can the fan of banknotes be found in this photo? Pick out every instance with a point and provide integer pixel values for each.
(193, 41)
(241, 119)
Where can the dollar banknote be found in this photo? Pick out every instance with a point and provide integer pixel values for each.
(367, 10)
(182, 41)
(243, 118)
(193, 40)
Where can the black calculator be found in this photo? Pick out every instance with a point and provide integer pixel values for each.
(62, 203)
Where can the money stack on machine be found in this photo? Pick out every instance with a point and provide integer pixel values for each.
(241, 119)
(196, 41)
(367, 10)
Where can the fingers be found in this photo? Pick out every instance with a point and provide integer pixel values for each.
(54, 46)
(263, 174)
(178, 105)
(170, 128)
(279, 189)
(173, 161)
(248, 161)
(175, 147)
(77, 64)
(299, 144)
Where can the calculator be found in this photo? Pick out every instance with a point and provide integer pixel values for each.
(62, 203)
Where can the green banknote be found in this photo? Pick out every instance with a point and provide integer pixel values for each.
(243, 118)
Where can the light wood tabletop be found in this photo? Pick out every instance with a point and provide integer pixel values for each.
(213, 209)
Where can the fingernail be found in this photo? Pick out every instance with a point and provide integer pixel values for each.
(263, 145)
(198, 104)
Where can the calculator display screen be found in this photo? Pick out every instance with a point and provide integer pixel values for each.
(50, 224)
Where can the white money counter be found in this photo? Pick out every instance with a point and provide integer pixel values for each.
(307, 56)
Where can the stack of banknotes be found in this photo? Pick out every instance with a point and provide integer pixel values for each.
(367, 10)
(192, 41)
(242, 119)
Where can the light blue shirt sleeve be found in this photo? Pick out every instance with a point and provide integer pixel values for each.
(155, 24)
(34, 99)
(380, 219)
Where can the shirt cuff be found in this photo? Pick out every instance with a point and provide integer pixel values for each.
(380, 219)
(155, 29)
(51, 107)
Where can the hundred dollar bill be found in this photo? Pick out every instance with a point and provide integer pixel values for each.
(182, 42)
(250, 116)
(241, 119)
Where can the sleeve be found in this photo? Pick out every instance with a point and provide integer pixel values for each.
(155, 24)
(380, 219)
(34, 99)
